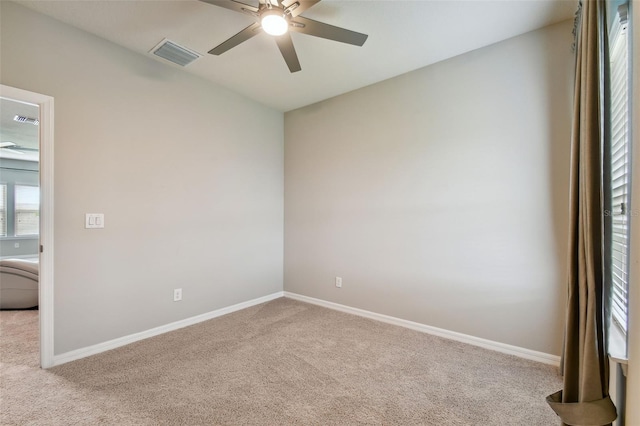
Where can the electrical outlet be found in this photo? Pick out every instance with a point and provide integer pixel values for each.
(177, 294)
(338, 282)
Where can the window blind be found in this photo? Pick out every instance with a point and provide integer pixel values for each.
(27, 216)
(620, 169)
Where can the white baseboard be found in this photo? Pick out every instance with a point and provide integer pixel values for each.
(121, 341)
(464, 338)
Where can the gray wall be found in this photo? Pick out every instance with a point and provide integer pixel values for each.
(440, 196)
(188, 175)
(18, 172)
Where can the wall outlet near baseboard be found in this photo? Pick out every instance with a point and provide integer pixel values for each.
(177, 294)
(339, 282)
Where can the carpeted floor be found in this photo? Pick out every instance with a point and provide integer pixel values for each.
(280, 363)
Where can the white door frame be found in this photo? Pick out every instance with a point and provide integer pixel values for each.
(45, 104)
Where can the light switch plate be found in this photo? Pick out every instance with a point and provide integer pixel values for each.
(94, 220)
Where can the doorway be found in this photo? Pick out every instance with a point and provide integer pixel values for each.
(26, 213)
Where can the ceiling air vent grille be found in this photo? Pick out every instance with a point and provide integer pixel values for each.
(174, 53)
(29, 120)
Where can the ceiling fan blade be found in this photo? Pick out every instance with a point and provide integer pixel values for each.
(234, 5)
(320, 29)
(242, 36)
(302, 5)
(285, 44)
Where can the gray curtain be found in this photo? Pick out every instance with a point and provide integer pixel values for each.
(584, 399)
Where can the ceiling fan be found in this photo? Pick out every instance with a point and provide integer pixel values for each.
(277, 18)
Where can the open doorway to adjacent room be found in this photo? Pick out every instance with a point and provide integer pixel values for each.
(19, 229)
(26, 227)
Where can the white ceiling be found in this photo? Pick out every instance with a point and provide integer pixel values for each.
(403, 36)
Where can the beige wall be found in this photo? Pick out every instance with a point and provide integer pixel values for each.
(633, 378)
(188, 175)
(440, 196)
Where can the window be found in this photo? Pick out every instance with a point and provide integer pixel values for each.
(19, 201)
(620, 168)
(27, 216)
(3, 210)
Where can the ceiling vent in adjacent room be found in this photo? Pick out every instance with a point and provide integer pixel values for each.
(23, 119)
(174, 53)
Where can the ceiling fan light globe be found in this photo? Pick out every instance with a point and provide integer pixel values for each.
(274, 25)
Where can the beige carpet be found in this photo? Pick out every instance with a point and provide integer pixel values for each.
(279, 363)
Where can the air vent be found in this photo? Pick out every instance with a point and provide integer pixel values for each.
(23, 119)
(174, 53)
